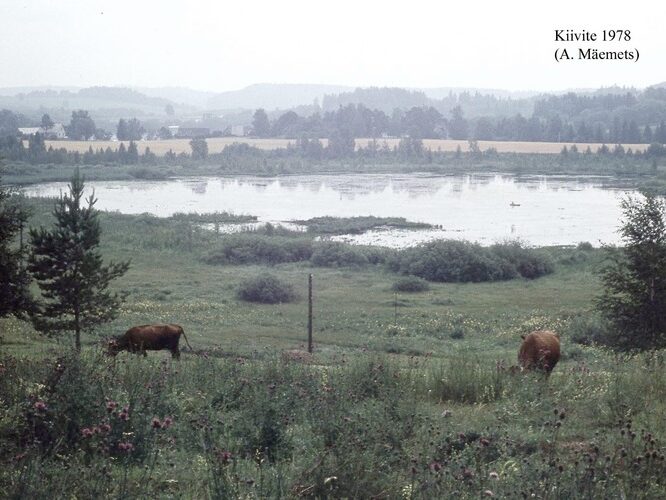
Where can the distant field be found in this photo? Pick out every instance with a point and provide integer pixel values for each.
(160, 147)
(216, 145)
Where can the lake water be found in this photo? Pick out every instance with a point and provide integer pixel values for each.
(539, 210)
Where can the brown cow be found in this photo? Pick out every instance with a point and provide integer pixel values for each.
(140, 339)
(540, 350)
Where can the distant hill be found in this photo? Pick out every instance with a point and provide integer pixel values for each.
(12, 91)
(106, 104)
(273, 96)
(179, 95)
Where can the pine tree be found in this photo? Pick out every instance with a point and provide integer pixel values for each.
(14, 281)
(132, 153)
(67, 265)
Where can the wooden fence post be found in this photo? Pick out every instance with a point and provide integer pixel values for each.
(310, 313)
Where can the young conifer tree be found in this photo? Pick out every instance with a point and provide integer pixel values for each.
(14, 281)
(634, 278)
(67, 265)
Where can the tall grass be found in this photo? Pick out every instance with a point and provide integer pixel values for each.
(363, 426)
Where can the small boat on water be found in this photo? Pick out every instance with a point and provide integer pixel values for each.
(512, 204)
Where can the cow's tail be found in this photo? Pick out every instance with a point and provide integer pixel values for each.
(188, 344)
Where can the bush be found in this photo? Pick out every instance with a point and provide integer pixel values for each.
(411, 284)
(458, 332)
(462, 261)
(446, 261)
(584, 246)
(335, 254)
(527, 262)
(266, 289)
(258, 249)
(588, 329)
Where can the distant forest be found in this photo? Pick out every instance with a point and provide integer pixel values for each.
(610, 116)
(630, 117)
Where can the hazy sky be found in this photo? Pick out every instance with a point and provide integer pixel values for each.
(216, 45)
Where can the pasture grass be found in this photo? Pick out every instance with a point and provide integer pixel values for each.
(408, 395)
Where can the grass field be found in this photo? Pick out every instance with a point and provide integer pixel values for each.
(216, 145)
(407, 396)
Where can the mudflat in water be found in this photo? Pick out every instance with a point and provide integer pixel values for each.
(539, 210)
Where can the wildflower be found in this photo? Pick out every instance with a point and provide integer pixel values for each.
(155, 423)
(435, 466)
(166, 423)
(126, 447)
(111, 405)
(104, 428)
(225, 457)
(40, 406)
(86, 432)
(488, 493)
(493, 475)
(484, 442)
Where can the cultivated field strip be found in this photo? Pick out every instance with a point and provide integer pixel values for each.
(217, 144)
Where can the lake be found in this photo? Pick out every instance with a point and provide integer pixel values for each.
(539, 210)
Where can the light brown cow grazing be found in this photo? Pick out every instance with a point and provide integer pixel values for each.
(540, 350)
(140, 339)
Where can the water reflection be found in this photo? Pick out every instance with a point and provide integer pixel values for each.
(487, 208)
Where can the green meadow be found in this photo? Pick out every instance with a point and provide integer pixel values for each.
(407, 394)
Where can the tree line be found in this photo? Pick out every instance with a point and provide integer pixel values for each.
(356, 120)
(338, 146)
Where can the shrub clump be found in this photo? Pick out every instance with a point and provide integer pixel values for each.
(266, 289)
(462, 261)
(411, 284)
(335, 254)
(527, 262)
(258, 249)
(589, 329)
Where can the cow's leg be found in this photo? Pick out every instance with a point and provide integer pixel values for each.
(175, 353)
